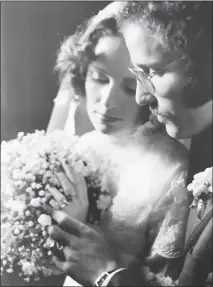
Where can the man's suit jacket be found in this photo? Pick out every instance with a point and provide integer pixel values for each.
(198, 261)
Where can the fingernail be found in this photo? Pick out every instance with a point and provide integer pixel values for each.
(65, 202)
(58, 215)
(68, 172)
(54, 204)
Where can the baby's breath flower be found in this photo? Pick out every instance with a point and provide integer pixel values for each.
(27, 213)
(28, 164)
(9, 270)
(45, 220)
(35, 202)
(103, 202)
(41, 193)
(16, 205)
(33, 185)
(29, 189)
(30, 224)
(28, 268)
(16, 231)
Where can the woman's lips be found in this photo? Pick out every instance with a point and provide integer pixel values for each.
(107, 118)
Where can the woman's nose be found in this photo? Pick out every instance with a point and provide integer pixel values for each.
(108, 96)
(143, 97)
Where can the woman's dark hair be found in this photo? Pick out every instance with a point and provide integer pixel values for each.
(77, 51)
(184, 26)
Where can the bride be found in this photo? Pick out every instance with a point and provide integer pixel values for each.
(146, 207)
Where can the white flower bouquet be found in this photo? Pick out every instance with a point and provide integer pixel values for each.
(27, 167)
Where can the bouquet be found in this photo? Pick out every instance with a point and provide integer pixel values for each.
(27, 174)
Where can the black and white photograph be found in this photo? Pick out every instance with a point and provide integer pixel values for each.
(106, 143)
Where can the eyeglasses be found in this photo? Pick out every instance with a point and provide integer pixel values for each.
(145, 79)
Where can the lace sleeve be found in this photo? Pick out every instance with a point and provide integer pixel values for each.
(171, 216)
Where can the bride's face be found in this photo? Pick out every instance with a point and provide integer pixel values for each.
(110, 88)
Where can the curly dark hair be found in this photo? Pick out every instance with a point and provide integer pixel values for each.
(181, 23)
(184, 26)
(77, 51)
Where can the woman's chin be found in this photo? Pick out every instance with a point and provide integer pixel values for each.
(108, 129)
(103, 129)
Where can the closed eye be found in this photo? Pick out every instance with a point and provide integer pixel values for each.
(156, 73)
(98, 77)
(150, 72)
(129, 86)
(146, 70)
(130, 91)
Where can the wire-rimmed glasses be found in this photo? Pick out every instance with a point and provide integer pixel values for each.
(145, 79)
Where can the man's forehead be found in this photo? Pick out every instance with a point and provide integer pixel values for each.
(144, 48)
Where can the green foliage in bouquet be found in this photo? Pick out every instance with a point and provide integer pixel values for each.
(27, 173)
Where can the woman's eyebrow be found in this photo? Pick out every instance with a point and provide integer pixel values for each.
(94, 65)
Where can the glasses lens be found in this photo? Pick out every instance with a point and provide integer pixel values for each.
(144, 80)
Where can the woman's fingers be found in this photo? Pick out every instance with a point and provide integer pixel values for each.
(54, 204)
(59, 235)
(66, 184)
(78, 181)
(69, 224)
(81, 187)
(58, 196)
(64, 266)
(69, 171)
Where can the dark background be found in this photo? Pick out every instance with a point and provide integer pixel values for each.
(31, 33)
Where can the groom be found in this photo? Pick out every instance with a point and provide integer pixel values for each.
(172, 91)
(165, 82)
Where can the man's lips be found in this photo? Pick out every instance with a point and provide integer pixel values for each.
(163, 117)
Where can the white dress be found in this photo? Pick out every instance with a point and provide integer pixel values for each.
(77, 122)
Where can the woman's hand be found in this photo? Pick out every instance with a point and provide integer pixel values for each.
(75, 189)
(86, 252)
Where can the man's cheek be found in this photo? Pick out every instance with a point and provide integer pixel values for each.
(170, 86)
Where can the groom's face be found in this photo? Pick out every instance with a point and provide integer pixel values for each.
(165, 92)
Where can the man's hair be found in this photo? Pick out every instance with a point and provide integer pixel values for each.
(77, 51)
(181, 23)
(184, 26)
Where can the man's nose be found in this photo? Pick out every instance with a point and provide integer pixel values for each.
(143, 97)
